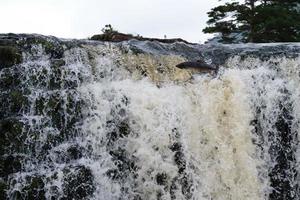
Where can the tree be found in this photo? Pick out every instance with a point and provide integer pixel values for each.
(108, 29)
(256, 21)
(277, 21)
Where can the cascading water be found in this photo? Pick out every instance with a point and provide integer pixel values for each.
(104, 121)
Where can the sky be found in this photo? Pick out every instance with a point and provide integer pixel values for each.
(83, 18)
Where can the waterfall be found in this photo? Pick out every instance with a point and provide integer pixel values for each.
(83, 120)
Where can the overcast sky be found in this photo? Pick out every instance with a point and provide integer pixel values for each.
(83, 18)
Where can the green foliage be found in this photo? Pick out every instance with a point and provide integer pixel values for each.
(108, 29)
(256, 21)
(277, 23)
(107, 33)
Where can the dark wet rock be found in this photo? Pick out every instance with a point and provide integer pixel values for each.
(70, 154)
(9, 80)
(75, 152)
(283, 151)
(183, 182)
(124, 129)
(54, 106)
(161, 178)
(218, 54)
(9, 56)
(7, 42)
(124, 163)
(52, 140)
(16, 195)
(17, 100)
(3, 188)
(34, 188)
(78, 183)
(188, 51)
(56, 79)
(12, 137)
(13, 102)
(282, 148)
(186, 182)
(10, 164)
(176, 147)
(118, 130)
(180, 161)
(56, 63)
(51, 45)
(174, 187)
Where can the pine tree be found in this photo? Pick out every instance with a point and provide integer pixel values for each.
(222, 19)
(256, 21)
(277, 21)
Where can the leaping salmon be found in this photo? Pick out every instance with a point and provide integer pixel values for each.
(197, 65)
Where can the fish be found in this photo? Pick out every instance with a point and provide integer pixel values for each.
(198, 65)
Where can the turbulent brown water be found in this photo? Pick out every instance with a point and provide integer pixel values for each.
(102, 121)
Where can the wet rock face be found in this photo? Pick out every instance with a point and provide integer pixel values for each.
(35, 188)
(219, 54)
(37, 116)
(284, 152)
(9, 56)
(78, 183)
(3, 188)
(12, 136)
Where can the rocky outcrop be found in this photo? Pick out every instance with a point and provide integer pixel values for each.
(120, 37)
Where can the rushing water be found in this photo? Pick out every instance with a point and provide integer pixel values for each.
(103, 124)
